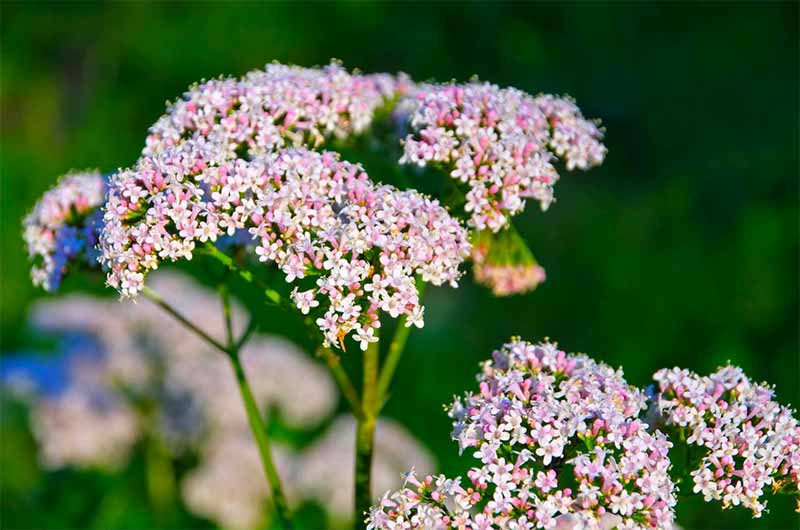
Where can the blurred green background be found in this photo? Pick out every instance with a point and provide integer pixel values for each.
(682, 249)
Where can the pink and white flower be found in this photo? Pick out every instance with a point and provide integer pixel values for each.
(572, 453)
(750, 442)
(500, 143)
(277, 107)
(354, 247)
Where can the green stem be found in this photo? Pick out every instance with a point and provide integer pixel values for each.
(346, 387)
(160, 477)
(254, 417)
(396, 348)
(151, 295)
(365, 435)
(262, 441)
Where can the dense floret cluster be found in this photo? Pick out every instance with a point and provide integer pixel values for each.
(750, 442)
(501, 143)
(560, 445)
(280, 106)
(310, 213)
(63, 227)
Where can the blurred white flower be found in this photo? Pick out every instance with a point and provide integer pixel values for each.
(131, 353)
(85, 429)
(229, 486)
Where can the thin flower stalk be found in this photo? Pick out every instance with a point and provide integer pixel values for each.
(255, 420)
(396, 348)
(163, 304)
(254, 417)
(262, 441)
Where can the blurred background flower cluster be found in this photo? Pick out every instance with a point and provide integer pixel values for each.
(128, 381)
(682, 249)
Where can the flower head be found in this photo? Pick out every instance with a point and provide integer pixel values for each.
(63, 227)
(559, 445)
(356, 246)
(500, 143)
(279, 106)
(86, 429)
(749, 441)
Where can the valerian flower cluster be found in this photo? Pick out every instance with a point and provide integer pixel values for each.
(501, 143)
(280, 106)
(558, 444)
(63, 227)
(562, 443)
(84, 428)
(310, 213)
(749, 442)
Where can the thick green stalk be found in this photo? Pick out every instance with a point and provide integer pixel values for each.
(160, 477)
(365, 435)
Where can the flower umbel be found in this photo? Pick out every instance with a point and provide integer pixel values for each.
(749, 441)
(500, 143)
(354, 246)
(63, 227)
(559, 445)
(277, 107)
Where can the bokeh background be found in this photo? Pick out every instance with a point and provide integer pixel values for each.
(682, 249)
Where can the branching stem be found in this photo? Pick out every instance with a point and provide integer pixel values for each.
(254, 417)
